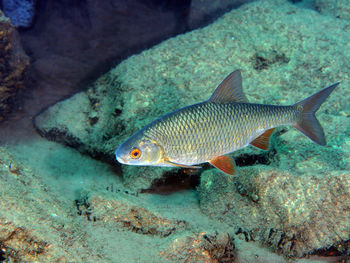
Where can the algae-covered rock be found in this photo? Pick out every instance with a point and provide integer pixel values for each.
(338, 8)
(14, 63)
(294, 214)
(124, 213)
(201, 247)
(36, 226)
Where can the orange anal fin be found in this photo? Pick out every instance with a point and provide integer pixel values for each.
(182, 165)
(225, 164)
(262, 142)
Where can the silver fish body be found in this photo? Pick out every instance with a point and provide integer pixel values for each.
(207, 131)
(200, 132)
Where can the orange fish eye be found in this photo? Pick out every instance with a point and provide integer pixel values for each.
(135, 153)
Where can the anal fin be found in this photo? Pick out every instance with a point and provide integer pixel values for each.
(225, 164)
(263, 141)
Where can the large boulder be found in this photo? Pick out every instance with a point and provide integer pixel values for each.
(294, 213)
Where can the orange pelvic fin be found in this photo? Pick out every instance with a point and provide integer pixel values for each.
(262, 142)
(225, 164)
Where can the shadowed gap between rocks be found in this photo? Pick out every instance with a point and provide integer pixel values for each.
(184, 179)
(331, 251)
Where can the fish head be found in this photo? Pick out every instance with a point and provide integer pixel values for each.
(139, 150)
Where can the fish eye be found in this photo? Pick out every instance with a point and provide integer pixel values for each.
(135, 153)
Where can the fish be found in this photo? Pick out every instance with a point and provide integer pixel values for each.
(208, 131)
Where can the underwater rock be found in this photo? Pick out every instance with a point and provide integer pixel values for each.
(124, 213)
(34, 224)
(14, 63)
(201, 247)
(21, 12)
(293, 213)
(18, 244)
(339, 8)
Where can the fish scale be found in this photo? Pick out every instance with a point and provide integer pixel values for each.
(207, 131)
(212, 129)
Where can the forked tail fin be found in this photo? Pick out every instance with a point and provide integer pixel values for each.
(308, 124)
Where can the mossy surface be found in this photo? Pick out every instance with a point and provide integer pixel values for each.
(339, 9)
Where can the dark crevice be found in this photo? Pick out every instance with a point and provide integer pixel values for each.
(117, 112)
(93, 102)
(184, 179)
(93, 121)
(332, 251)
(61, 136)
(263, 60)
(253, 159)
(272, 231)
(281, 241)
(247, 234)
(2, 254)
(84, 208)
(111, 188)
(175, 181)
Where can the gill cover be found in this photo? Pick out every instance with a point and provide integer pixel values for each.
(138, 150)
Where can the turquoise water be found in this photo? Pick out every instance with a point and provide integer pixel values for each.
(101, 71)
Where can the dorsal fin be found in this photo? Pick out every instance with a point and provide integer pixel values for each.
(229, 90)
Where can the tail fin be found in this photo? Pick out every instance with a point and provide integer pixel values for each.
(308, 124)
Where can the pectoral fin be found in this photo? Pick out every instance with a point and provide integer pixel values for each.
(225, 164)
(263, 141)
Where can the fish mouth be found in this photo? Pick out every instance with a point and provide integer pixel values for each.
(119, 157)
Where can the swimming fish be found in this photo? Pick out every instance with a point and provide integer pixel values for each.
(226, 122)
